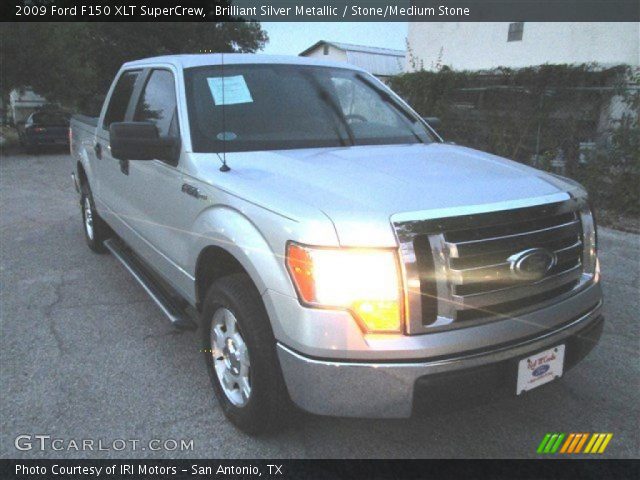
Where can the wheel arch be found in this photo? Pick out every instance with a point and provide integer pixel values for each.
(228, 242)
(213, 263)
(83, 167)
(82, 174)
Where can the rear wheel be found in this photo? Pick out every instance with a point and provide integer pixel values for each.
(95, 229)
(240, 353)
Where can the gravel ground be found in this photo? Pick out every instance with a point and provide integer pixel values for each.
(85, 354)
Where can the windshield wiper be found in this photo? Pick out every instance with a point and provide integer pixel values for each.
(335, 108)
(386, 97)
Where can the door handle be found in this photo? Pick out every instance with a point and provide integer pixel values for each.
(97, 148)
(193, 191)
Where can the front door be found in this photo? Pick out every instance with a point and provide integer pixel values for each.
(151, 190)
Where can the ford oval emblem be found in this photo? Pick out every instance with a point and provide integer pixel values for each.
(542, 369)
(532, 264)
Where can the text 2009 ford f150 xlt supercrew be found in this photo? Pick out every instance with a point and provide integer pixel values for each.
(339, 256)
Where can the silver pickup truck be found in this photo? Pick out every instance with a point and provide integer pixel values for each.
(337, 255)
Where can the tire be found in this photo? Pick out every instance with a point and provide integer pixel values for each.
(96, 231)
(267, 407)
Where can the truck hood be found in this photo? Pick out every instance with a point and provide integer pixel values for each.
(360, 188)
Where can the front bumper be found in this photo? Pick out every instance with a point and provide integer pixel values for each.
(389, 390)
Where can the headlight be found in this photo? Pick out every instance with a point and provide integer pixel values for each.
(590, 239)
(363, 281)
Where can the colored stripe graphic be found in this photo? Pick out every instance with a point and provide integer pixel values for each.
(594, 437)
(599, 442)
(551, 443)
(556, 446)
(543, 443)
(573, 443)
(567, 442)
(606, 441)
(581, 442)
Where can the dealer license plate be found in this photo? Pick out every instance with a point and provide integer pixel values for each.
(540, 368)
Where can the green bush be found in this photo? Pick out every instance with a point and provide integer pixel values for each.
(613, 177)
(543, 116)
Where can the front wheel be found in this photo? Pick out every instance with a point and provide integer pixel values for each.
(240, 354)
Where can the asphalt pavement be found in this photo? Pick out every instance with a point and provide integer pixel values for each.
(86, 355)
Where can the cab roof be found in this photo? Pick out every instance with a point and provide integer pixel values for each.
(205, 59)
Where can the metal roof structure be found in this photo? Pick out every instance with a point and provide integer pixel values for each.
(376, 60)
(190, 60)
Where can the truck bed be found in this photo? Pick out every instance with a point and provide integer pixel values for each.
(89, 121)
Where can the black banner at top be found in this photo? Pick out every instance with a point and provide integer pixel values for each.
(322, 10)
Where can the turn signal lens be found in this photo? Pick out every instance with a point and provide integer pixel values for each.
(590, 241)
(300, 267)
(363, 281)
(379, 316)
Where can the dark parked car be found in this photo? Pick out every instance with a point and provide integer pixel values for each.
(45, 128)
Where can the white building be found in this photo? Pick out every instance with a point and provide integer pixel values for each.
(23, 103)
(482, 46)
(381, 62)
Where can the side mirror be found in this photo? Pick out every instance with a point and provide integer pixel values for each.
(140, 141)
(434, 122)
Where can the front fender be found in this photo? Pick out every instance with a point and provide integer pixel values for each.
(231, 230)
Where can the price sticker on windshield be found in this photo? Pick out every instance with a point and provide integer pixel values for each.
(229, 90)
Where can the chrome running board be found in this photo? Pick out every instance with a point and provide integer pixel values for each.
(177, 314)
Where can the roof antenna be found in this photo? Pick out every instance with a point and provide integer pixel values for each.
(224, 167)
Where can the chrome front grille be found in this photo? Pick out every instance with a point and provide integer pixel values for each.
(460, 269)
(481, 274)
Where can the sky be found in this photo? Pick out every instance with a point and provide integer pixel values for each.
(291, 38)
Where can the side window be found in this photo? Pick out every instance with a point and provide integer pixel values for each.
(120, 99)
(157, 103)
(516, 30)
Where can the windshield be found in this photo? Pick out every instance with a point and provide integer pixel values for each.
(273, 107)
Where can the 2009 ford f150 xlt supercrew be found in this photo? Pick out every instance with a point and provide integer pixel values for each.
(339, 255)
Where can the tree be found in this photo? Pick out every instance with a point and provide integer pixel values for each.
(74, 63)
